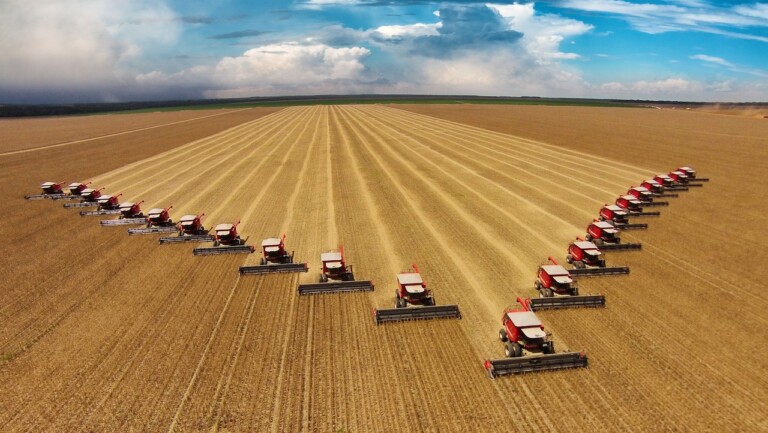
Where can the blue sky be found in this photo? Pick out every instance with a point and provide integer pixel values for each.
(117, 50)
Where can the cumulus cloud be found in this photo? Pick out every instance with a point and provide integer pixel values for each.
(275, 69)
(81, 48)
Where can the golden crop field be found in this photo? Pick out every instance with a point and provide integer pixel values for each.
(100, 331)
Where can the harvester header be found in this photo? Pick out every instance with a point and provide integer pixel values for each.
(335, 276)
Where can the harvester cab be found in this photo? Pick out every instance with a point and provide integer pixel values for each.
(588, 260)
(412, 290)
(691, 173)
(226, 234)
(679, 177)
(605, 236)
(602, 232)
(109, 203)
(190, 229)
(528, 347)
(553, 278)
(521, 329)
(90, 194)
(629, 203)
(131, 210)
(52, 188)
(584, 254)
(226, 240)
(130, 214)
(273, 251)
(664, 180)
(159, 217)
(77, 188)
(191, 225)
(335, 267)
(653, 186)
(612, 212)
(641, 193)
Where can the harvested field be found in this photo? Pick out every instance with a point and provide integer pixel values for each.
(104, 332)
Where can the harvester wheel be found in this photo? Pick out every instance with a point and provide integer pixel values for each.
(575, 291)
(430, 301)
(588, 237)
(503, 335)
(569, 258)
(549, 348)
(537, 285)
(263, 261)
(601, 218)
(323, 278)
(578, 264)
(546, 293)
(512, 350)
(216, 243)
(598, 242)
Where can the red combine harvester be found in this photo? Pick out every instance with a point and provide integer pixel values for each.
(682, 179)
(191, 229)
(645, 197)
(158, 221)
(339, 273)
(620, 217)
(588, 260)
(553, 279)
(89, 198)
(108, 205)
(605, 236)
(669, 184)
(50, 190)
(656, 188)
(226, 240)
(528, 347)
(130, 213)
(274, 259)
(691, 173)
(412, 290)
(76, 188)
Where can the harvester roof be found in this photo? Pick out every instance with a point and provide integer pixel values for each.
(88, 191)
(223, 228)
(642, 189)
(126, 205)
(187, 219)
(686, 168)
(523, 319)
(604, 225)
(48, 184)
(331, 256)
(554, 270)
(616, 209)
(652, 182)
(155, 212)
(74, 184)
(409, 278)
(629, 197)
(663, 176)
(586, 246)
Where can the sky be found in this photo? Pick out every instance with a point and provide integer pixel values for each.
(73, 51)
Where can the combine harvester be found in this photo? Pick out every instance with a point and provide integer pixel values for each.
(90, 198)
(528, 347)
(76, 189)
(158, 221)
(274, 259)
(656, 189)
(680, 178)
(226, 240)
(691, 173)
(106, 206)
(669, 184)
(644, 196)
(335, 268)
(633, 206)
(130, 214)
(558, 290)
(191, 229)
(412, 290)
(620, 217)
(588, 260)
(605, 236)
(51, 190)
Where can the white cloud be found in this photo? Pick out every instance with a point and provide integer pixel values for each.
(84, 47)
(413, 30)
(276, 69)
(542, 33)
(712, 59)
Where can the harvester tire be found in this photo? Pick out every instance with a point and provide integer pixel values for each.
(575, 291)
(546, 293)
(569, 258)
(578, 264)
(588, 237)
(513, 350)
(503, 335)
(550, 348)
(537, 285)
